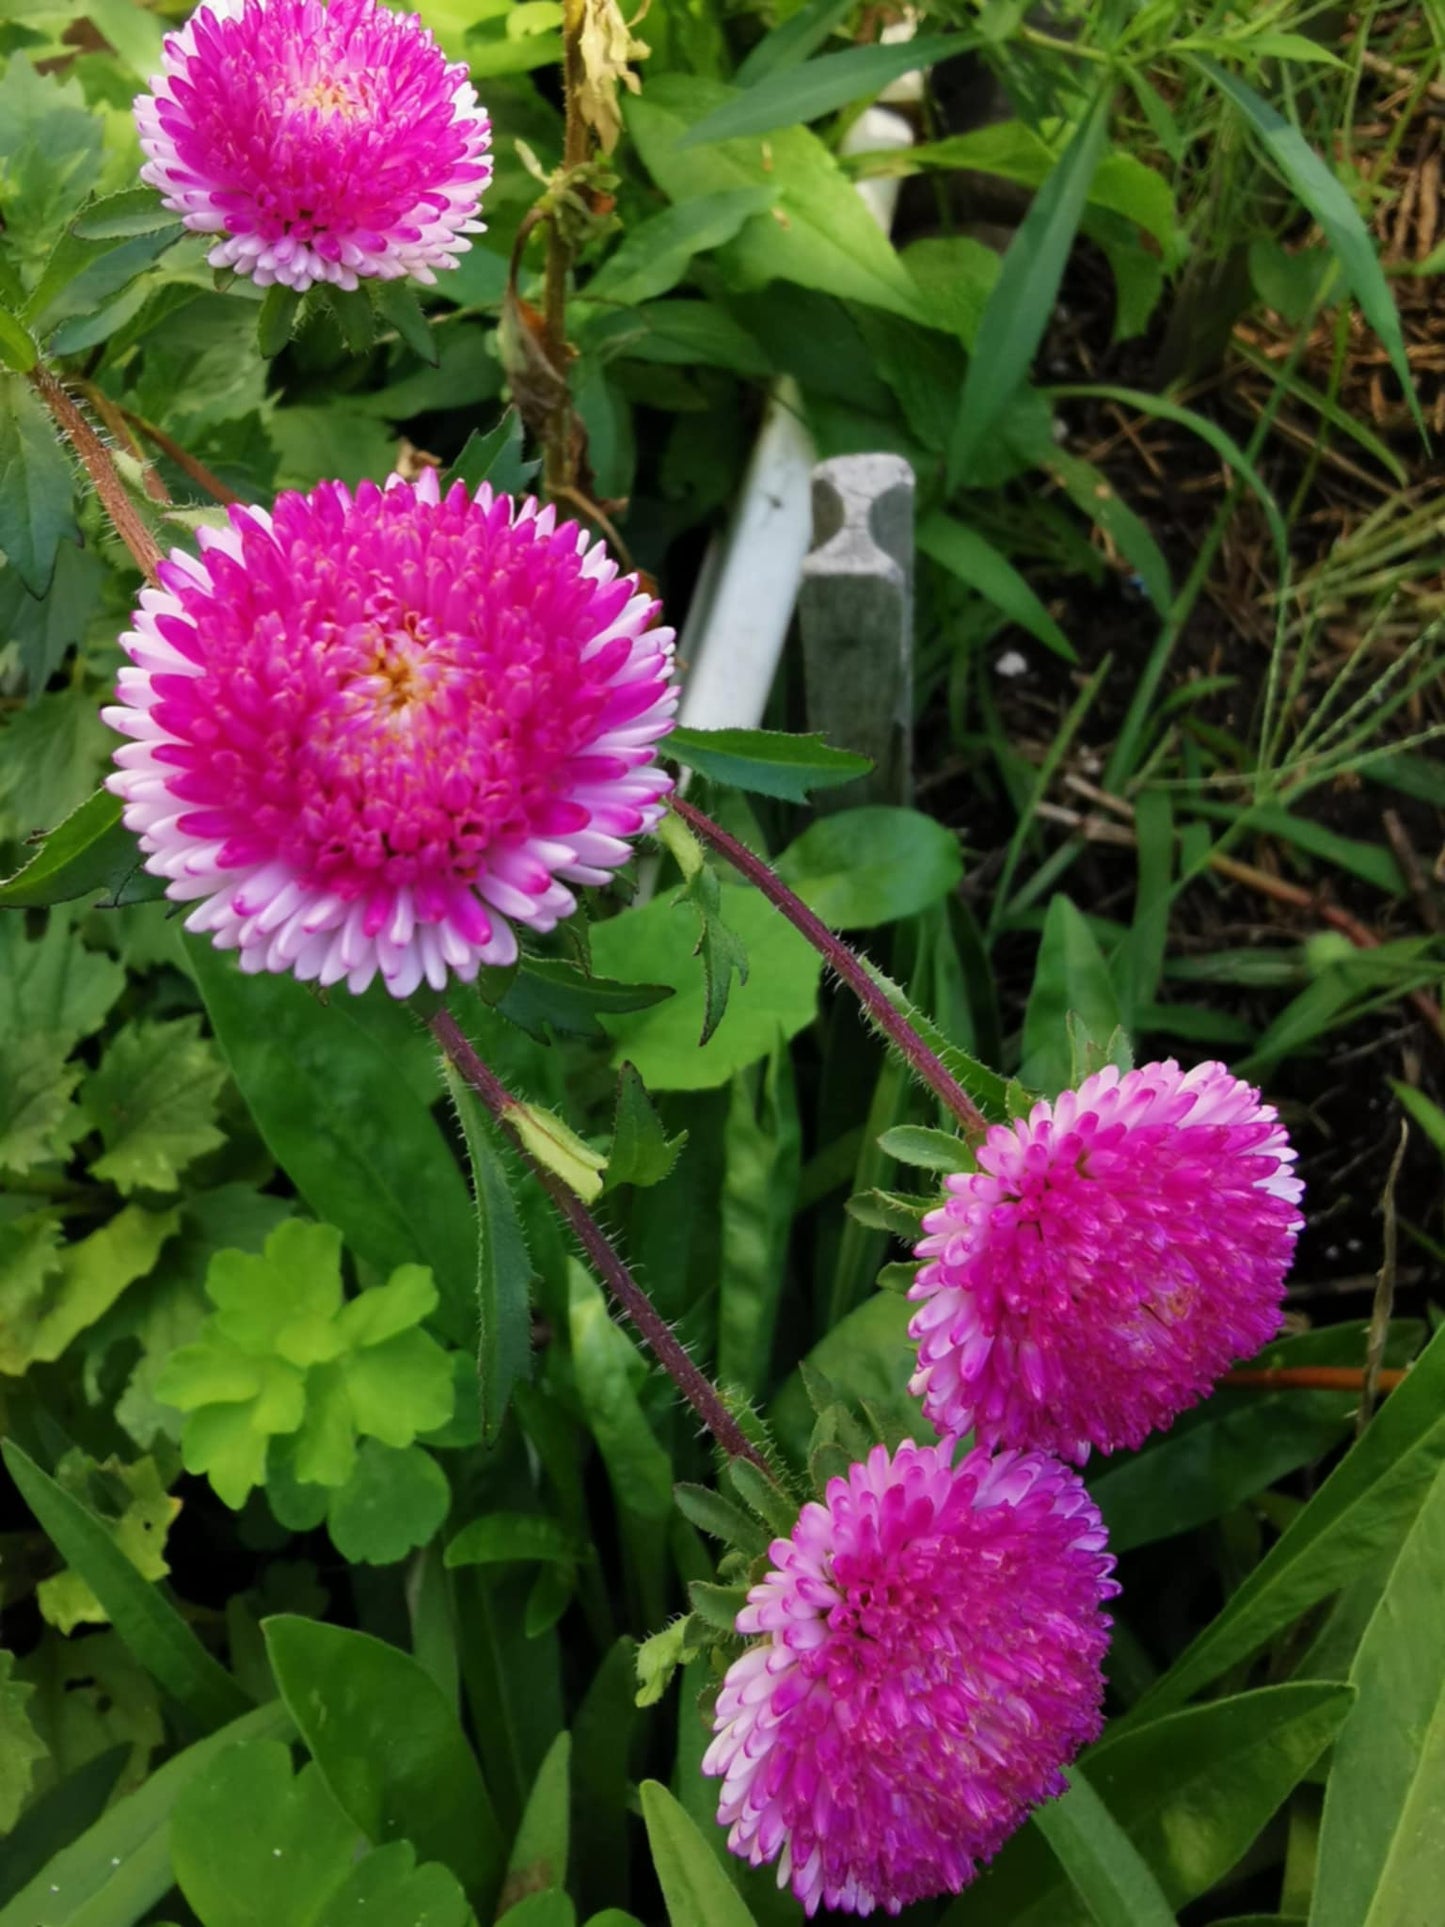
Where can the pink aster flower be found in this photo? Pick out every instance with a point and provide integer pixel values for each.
(374, 732)
(322, 142)
(928, 1660)
(1115, 1252)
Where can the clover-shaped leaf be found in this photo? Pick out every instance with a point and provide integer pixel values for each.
(286, 1355)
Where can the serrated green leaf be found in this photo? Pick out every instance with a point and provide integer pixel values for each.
(152, 1628)
(51, 1295)
(131, 1501)
(890, 1211)
(766, 761)
(37, 1118)
(642, 1153)
(495, 457)
(20, 1745)
(154, 1102)
(504, 1268)
(717, 1606)
(763, 1496)
(397, 304)
(659, 1657)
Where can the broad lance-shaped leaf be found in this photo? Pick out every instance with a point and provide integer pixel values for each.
(90, 850)
(249, 1842)
(150, 1626)
(1191, 1791)
(694, 1886)
(1023, 297)
(1375, 1489)
(352, 1695)
(1380, 1848)
(794, 94)
(120, 1868)
(1101, 1861)
(539, 1851)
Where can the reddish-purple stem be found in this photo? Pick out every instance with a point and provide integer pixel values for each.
(699, 1391)
(847, 963)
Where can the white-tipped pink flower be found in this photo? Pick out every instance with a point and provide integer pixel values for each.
(927, 1659)
(319, 142)
(1115, 1252)
(372, 733)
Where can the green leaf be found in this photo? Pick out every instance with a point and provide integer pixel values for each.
(977, 563)
(553, 1908)
(825, 238)
(501, 1537)
(276, 321)
(869, 1360)
(779, 997)
(801, 34)
(1070, 976)
(36, 1114)
(1376, 1488)
(51, 754)
(602, 1360)
(762, 1163)
(90, 850)
(132, 1503)
(17, 350)
(327, 1088)
(710, 1512)
(397, 304)
(36, 508)
(20, 1745)
(504, 1268)
(718, 946)
(120, 1867)
(1101, 1860)
(50, 154)
(50, 1295)
(284, 1355)
(861, 868)
(495, 457)
(1326, 198)
(927, 1149)
(250, 1843)
(1192, 1792)
(1023, 297)
(53, 983)
(153, 1100)
(642, 1153)
(547, 994)
(697, 1891)
(153, 1630)
(659, 1657)
(794, 94)
(655, 255)
(395, 1500)
(765, 761)
(1379, 1845)
(539, 1851)
(380, 1729)
(390, 1886)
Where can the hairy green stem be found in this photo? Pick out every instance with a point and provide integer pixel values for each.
(95, 459)
(699, 1391)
